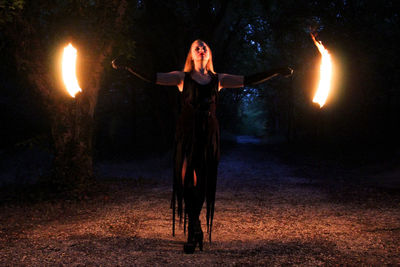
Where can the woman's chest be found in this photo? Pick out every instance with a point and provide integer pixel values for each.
(197, 94)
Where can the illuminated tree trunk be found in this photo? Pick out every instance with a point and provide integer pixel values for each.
(73, 122)
(72, 119)
(72, 132)
(36, 38)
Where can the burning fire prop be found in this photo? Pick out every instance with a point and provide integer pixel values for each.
(69, 70)
(324, 85)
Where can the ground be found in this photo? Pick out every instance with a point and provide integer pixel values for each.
(271, 209)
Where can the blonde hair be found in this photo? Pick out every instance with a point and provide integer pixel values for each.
(189, 65)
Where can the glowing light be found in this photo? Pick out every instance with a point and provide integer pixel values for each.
(324, 85)
(69, 70)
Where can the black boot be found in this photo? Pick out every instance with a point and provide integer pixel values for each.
(195, 235)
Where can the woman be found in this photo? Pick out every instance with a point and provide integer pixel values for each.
(197, 137)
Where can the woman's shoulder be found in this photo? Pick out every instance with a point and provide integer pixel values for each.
(213, 74)
(179, 74)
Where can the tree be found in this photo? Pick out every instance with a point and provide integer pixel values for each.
(39, 30)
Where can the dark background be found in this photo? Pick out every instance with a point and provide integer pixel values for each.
(133, 119)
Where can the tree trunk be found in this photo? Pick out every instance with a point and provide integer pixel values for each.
(72, 118)
(72, 132)
(73, 121)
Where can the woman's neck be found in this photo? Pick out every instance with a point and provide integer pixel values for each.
(200, 67)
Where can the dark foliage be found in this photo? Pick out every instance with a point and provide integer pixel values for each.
(132, 118)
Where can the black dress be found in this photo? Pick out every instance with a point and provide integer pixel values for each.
(197, 140)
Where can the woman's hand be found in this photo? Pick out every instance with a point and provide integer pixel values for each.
(285, 71)
(120, 63)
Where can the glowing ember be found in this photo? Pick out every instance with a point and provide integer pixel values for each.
(69, 71)
(325, 74)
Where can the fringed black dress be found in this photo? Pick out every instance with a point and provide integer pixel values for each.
(197, 141)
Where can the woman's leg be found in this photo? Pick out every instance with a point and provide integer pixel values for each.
(183, 171)
(194, 196)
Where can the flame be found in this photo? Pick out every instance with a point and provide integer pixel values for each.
(325, 74)
(69, 70)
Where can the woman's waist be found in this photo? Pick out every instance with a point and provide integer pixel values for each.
(196, 117)
(199, 109)
(204, 113)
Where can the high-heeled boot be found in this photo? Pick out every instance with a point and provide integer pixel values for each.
(195, 235)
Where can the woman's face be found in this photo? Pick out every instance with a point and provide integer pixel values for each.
(200, 52)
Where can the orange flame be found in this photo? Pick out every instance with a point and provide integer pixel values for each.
(325, 74)
(69, 70)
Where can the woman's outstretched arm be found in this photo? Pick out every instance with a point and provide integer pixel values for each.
(230, 81)
(235, 81)
(170, 78)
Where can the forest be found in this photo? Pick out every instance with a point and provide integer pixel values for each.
(121, 116)
(53, 144)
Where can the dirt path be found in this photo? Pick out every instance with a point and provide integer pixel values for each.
(267, 213)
